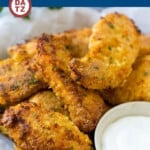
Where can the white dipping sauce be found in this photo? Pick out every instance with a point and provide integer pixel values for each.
(128, 133)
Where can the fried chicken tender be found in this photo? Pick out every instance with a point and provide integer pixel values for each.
(18, 83)
(113, 48)
(32, 128)
(19, 78)
(137, 86)
(85, 107)
(46, 100)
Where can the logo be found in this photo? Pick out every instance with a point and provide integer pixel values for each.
(20, 8)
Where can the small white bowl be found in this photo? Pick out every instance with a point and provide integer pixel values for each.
(120, 111)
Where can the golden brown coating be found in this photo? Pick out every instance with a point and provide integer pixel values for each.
(17, 148)
(23, 51)
(18, 83)
(79, 41)
(47, 100)
(144, 45)
(78, 45)
(113, 48)
(137, 86)
(5, 66)
(19, 78)
(85, 107)
(33, 128)
(76, 42)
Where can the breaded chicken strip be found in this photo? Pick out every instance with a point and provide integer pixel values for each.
(33, 128)
(19, 78)
(85, 107)
(137, 86)
(19, 82)
(47, 101)
(113, 48)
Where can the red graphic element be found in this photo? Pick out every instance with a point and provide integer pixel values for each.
(20, 8)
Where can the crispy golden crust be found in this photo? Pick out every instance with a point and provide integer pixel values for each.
(19, 83)
(23, 51)
(47, 100)
(5, 66)
(79, 41)
(17, 148)
(144, 45)
(33, 128)
(137, 86)
(85, 106)
(113, 48)
(78, 45)
(56, 48)
(19, 78)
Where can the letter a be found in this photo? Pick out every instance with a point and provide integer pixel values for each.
(17, 2)
(23, 2)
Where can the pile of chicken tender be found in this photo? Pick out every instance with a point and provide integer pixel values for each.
(55, 88)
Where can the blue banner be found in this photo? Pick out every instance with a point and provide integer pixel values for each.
(86, 3)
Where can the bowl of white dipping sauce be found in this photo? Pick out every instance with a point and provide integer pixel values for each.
(124, 127)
